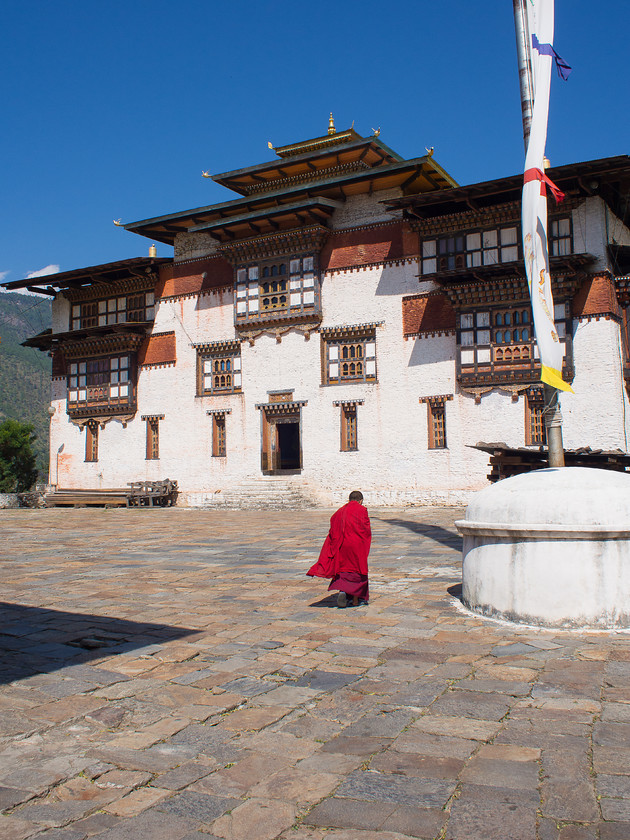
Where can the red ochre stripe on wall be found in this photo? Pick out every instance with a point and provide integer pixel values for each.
(596, 297)
(366, 246)
(158, 350)
(187, 278)
(430, 313)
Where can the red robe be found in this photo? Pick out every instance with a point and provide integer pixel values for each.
(345, 551)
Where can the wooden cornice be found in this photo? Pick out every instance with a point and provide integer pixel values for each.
(306, 240)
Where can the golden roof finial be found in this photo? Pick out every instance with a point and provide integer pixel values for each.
(331, 125)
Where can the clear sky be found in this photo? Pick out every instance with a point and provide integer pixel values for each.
(112, 110)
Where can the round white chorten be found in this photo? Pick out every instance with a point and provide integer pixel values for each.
(550, 547)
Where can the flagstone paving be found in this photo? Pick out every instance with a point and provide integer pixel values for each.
(173, 674)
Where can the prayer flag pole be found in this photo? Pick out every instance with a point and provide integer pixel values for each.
(534, 212)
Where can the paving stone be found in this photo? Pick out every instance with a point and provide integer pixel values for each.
(255, 819)
(350, 813)
(615, 809)
(184, 775)
(461, 727)
(380, 724)
(615, 831)
(325, 680)
(569, 800)
(483, 812)
(425, 823)
(12, 828)
(615, 786)
(517, 775)
(296, 785)
(201, 807)
(406, 764)
(386, 787)
(551, 830)
(153, 824)
(217, 621)
(11, 796)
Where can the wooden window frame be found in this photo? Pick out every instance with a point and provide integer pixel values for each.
(535, 430)
(229, 368)
(470, 248)
(349, 424)
(349, 358)
(219, 449)
(125, 308)
(91, 441)
(560, 234)
(101, 382)
(297, 294)
(436, 420)
(152, 438)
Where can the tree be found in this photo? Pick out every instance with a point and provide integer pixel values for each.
(17, 460)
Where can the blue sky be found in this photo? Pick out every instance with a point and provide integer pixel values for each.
(112, 110)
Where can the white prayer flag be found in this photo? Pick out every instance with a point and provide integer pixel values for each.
(540, 19)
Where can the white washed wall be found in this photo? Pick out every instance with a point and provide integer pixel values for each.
(393, 464)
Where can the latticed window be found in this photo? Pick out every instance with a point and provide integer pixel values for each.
(286, 286)
(105, 380)
(91, 441)
(469, 250)
(512, 326)
(219, 368)
(436, 420)
(535, 432)
(153, 438)
(349, 359)
(115, 310)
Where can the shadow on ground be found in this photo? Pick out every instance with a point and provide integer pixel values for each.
(432, 532)
(34, 640)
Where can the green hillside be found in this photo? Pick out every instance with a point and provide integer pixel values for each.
(24, 372)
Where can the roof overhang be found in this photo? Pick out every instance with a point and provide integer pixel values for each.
(271, 219)
(105, 274)
(606, 177)
(417, 175)
(365, 151)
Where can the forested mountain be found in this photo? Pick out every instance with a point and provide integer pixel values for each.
(24, 372)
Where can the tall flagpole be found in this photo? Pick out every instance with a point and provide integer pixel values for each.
(552, 415)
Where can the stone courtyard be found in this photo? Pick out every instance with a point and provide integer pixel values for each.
(173, 674)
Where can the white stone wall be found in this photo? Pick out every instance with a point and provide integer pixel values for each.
(393, 464)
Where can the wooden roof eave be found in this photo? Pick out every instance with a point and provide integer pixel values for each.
(326, 205)
(106, 273)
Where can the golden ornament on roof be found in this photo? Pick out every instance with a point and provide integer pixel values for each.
(331, 124)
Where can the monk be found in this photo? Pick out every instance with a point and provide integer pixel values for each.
(344, 555)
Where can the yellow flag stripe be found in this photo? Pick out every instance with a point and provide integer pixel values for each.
(554, 378)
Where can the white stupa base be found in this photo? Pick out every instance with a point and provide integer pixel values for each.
(550, 548)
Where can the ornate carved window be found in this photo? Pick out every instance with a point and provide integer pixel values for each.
(498, 344)
(436, 420)
(91, 440)
(132, 308)
(349, 354)
(280, 288)
(219, 368)
(535, 432)
(469, 249)
(105, 382)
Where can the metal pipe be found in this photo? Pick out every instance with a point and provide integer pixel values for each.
(524, 67)
(551, 413)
